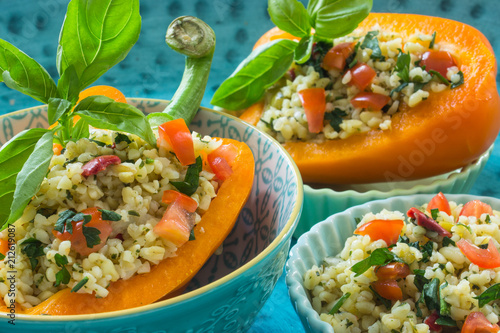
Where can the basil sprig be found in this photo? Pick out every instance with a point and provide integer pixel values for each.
(268, 63)
(95, 36)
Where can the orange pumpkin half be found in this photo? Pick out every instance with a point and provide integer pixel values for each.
(447, 131)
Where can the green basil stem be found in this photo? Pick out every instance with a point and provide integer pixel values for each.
(195, 39)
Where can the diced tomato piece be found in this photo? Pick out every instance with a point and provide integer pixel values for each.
(392, 271)
(314, 103)
(438, 61)
(370, 100)
(4, 246)
(439, 202)
(362, 75)
(98, 164)
(177, 135)
(476, 322)
(431, 322)
(220, 167)
(185, 201)
(176, 224)
(484, 258)
(337, 56)
(427, 222)
(228, 151)
(388, 289)
(476, 208)
(387, 230)
(77, 238)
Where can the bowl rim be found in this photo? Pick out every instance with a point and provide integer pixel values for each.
(297, 291)
(285, 234)
(419, 188)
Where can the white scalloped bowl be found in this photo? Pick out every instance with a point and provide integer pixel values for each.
(327, 239)
(319, 203)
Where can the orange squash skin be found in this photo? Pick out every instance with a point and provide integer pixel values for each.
(172, 273)
(445, 132)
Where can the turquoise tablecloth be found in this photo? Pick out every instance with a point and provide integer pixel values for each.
(153, 70)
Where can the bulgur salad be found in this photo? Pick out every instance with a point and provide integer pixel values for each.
(356, 85)
(435, 269)
(101, 215)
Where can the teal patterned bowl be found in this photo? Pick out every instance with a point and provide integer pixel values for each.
(327, 239)
(322, 202)
(230, 289)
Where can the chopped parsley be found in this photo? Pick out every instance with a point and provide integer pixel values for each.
(427, 250)
(433, 41)
(133, 213)
(371, 42)
(80, 284)
(191, 180)
(91, 234)
(63, 275)
(460, 82)
(403, 66)
(440, 77)
(109, 215)
(120, 137)
(448, 241)
(191, 235)
(490, 294)
(434, 213)
(99, 143)
(33, 249)
(339, 303)
(335, 118)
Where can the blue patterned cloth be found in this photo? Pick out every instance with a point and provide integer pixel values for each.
(153, 70)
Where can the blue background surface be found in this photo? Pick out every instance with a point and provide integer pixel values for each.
(153, 70)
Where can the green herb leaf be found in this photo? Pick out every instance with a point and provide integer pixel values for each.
(387, 303)
(489, 295)
(120, 137)
(335, 118)
(427, 250)
(103, 112)
(336, 18)
(80, 284)
(339, 303)
(448, 241)
(403, 66)
(24, 74)
(2, 256)
(60, 260)
(31, 176)
(80, 130)
(62, 276)
(109, 215)
(446, 321)
(460, 82)
(304, 50)
(466, 227)
(91, 235)
(378, 257)
(133, 213)
(95, 36)
(399, 88)
(420, 280)
(261, 69)
(290, 16)
(434, 213)
(430, 293)
(33, 249)
(56, 108)
(444, 308)
(69, 85)
(433, 40)
(191, 180)
(64, 221)
(13, 155)
(371, 42)
(440, 77)
(191, 235)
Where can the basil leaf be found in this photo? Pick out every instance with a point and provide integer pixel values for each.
(103, 112)
(24, 74)
(13, 155)
(460, 82)
(290, 16)
(371, 42)
(80, 130)
(490, 294)
(381, 256)
(109, 215)
(80, 284)
(96, 35)
(304, 50)
(191, 180)
(33, 249)
(261, 69)
(31, 176)
(337, 18)
(56, 108)
(430, 293)
(69, 85)
(339, 303)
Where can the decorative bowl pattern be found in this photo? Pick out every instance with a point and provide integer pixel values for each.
(321, 203)
(230, 289)
(327, 239)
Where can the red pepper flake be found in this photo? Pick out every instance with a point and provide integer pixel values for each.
(98, 164)
(427, 222)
